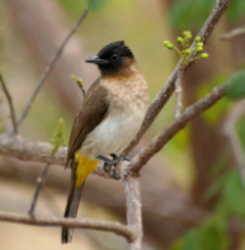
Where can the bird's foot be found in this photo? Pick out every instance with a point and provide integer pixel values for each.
(110, 164)
(114, 161)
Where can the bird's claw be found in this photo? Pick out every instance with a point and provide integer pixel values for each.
(110, 164)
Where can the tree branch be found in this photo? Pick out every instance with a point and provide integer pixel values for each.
(167, 90)
(11, 106)
(174, 127)
(50, 66)
(114, 227)
(178, 93)
(40, 180)
(133, 208)
(233, 33)
(24, 149)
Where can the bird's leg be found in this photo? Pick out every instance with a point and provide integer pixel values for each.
(116, 159)
(104, 159)
(110, 164)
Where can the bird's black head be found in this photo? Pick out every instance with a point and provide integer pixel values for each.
(113, 58)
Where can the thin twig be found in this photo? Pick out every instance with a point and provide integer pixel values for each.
(229, 131)
(40, 180)
(133, 208)
(50, 66)
(79, 82)
(162, 97)
(174, 127)
(81, 86)
(178, 93)
(114, 227)
(233, 33)
(11, 106)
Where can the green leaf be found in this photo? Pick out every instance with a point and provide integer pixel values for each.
(189, 13)
(96, 4)
(236, 10)
(241, 131)
(191, 240)
(233, 197)
(236, 85)
(58, 137)
(214, 188)
(211, 238)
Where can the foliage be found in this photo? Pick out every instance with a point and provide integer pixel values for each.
(240, 127)
(185, 53)
(58, 137)
(213, 233)
(236, 10)
(96, 4)
(236, 85)
(192, 14)
(76, 6)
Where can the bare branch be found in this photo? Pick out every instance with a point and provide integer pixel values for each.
(50, 66)
(178, 93)
(229, 131)
(114, 227)
(30, 151)
(233, 33)
(167, 90)
(11, 106)
(174, 127)
(133, 208)
(40, 180)
(26, 150)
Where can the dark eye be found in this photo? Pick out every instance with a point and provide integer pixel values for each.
(115, 56)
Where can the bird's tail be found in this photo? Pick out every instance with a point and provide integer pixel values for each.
(83, 166)
(71, 211)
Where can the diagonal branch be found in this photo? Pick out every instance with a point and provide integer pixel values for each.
(168, 89)
(11, 106)
(40, 181)
(114, 227)
(50, 66)
(174, 127)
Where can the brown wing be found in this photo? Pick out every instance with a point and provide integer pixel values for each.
(94, 108)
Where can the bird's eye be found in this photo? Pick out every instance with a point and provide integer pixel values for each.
(115, 56)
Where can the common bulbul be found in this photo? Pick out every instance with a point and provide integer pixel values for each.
(110, 116)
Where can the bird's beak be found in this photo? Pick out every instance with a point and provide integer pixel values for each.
(96, 60)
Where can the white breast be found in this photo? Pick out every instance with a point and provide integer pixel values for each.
(114, 133)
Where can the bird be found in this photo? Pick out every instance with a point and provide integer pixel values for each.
(110, 115)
